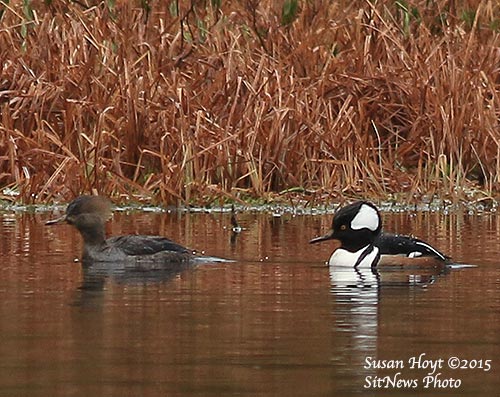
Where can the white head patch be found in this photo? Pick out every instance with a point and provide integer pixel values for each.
(367, 217)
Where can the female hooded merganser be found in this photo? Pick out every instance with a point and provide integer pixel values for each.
(89, 214)
(358, 227)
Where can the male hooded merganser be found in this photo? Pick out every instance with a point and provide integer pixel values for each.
(358, 227)
(89, 214)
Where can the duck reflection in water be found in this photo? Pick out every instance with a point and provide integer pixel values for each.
(97, 278)
(88, 215)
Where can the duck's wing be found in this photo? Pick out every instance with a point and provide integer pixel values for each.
(396, 244)
(145, 245)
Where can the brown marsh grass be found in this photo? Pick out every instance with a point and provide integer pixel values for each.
(194, 101)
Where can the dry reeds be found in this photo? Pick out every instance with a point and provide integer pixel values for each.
(184, 102)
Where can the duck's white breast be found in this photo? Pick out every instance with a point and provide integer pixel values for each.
(342, 257)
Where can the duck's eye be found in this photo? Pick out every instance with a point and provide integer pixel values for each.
(343, 227)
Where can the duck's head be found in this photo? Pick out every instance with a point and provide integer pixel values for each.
(355, 226)
(88, 214)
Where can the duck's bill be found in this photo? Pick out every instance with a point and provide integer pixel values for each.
(62, 219)
(328, 236)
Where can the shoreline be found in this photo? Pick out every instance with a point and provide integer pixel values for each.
(297, 206)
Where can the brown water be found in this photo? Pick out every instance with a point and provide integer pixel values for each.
(273, 323)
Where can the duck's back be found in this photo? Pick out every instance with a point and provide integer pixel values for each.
(138, 245)
(397, 244)
(138, 252)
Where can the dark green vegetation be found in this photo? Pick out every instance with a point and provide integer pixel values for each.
(195, 101)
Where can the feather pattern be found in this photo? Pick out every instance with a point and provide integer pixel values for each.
(145, 245)
(397, 244)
